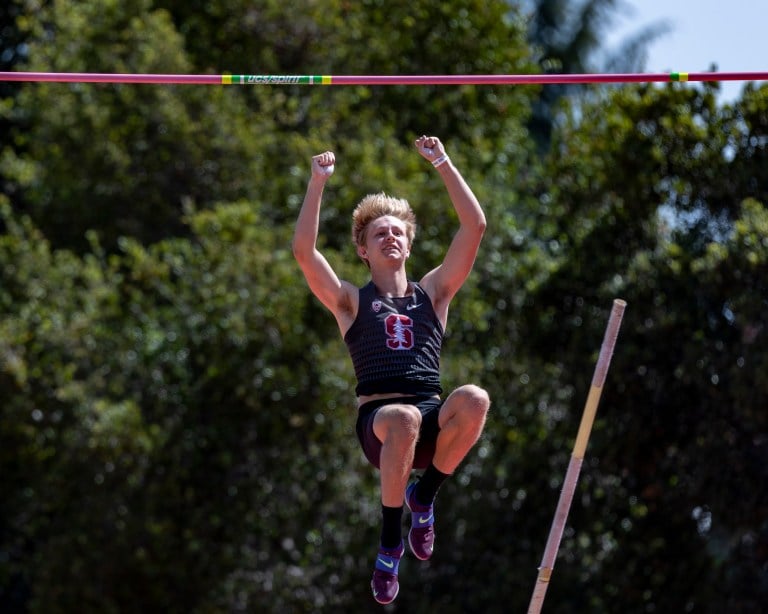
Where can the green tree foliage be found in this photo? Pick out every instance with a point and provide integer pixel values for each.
(176, 422)
(371, 37)
(567, 38)
(636, 209)
(144, 150)
(160, 405)
(12, 50)
(148, 150)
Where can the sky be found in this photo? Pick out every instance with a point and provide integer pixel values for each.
(733, 34)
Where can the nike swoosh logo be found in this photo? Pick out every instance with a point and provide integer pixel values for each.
(425, 520)
(409, 307)
(383, 562)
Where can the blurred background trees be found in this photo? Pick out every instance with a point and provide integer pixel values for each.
(177, 410)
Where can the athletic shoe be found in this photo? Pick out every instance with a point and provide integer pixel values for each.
(384, 583)
(421, 537)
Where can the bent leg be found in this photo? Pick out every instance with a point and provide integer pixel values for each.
(462, 418)
(397, 427)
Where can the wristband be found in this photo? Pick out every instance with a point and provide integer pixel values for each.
(441, 160)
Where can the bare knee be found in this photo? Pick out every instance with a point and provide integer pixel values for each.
(472, 403)
(397, 422)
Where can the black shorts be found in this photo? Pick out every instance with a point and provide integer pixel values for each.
(425, 447)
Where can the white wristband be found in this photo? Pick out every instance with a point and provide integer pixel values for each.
(438, 161)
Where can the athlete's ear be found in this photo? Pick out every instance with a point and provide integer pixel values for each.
(363, 253)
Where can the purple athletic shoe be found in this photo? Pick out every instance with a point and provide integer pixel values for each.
(421, 537)
(384, 583)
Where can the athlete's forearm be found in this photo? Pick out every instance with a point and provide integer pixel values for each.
(464, 200)
(308, 223)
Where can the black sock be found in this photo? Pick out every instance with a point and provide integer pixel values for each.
(428, 485)
(391, 530)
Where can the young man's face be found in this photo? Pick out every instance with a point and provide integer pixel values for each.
(386, 239)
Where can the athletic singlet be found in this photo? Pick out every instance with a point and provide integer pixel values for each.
(395, 343)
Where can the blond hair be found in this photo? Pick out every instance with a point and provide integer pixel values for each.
(378, 205)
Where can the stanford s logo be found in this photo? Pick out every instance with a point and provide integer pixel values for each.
(399, 330)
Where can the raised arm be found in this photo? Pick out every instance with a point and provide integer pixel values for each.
(337, 295)
(443, 282)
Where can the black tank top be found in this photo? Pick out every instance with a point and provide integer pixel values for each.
(395, 343)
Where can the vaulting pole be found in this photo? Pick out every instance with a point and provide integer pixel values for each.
(226, 79)
(577, 457)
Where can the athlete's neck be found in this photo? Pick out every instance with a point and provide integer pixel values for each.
(391, 283)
